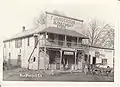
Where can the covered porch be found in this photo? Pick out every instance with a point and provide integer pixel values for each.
(65, 59)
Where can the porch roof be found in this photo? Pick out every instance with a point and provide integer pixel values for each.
(67, 32)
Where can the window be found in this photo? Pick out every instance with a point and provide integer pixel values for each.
(104, 61)
(34, 59)
(20, 50)
(4, 45)
(9, 44)
(18, 43)
(60, 40)
(19, 60)
(94, 60)
(61, 37)
(28, 41)
(36, 41)
(89, 58)
(86, 57)
(9, 58)
(51, 36)
(80, 40)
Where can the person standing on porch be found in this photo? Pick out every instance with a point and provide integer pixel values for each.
(64, 64)
(86, 69)
(83, 63)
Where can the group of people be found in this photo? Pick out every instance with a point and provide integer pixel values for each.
(92, 69)
(89, 68)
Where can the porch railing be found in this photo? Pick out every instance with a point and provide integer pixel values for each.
(55, 43)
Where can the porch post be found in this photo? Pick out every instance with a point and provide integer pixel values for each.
(45, 38)
(65, 40)
(45, 51)
(60, 58)
(77, 41)
(44, 58)
(38, 57)
(75, 59)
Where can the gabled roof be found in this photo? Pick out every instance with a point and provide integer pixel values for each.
(54, 30)
(23, 34)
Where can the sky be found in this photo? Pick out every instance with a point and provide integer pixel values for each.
(18, 13)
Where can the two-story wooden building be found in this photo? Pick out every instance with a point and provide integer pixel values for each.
(54, 45)
(49, 48)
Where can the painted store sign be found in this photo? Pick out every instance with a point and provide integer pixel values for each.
(64, 22)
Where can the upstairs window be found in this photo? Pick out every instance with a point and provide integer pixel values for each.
(4, 45)
(51, 36)
(28, 42)
(18, 43)
(9, 44)
(61, 37)
(34, 58)
(80, 40)
(36, 41)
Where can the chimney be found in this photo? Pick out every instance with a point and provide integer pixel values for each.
(23, 28)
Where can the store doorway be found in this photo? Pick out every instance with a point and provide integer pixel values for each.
(68, 60)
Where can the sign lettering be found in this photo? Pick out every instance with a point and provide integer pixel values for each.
(68, 53)
(62, 22)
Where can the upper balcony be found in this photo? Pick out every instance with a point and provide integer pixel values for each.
(57, 37)
(59, 43)
(69, 42)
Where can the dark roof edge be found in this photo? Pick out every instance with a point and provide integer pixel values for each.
(17, 38)
(20, 37)
(98, 47)
(64, 16)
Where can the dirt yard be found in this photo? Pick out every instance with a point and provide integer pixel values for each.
(41, 75)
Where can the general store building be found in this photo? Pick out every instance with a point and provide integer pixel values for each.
(50, 46)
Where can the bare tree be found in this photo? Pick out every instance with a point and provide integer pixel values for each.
(100, 34)
(41, 19)
(108, 40)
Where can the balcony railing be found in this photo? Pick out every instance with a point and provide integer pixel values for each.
(55, 43)
(59, 43)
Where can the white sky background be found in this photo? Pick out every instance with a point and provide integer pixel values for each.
(16, 13)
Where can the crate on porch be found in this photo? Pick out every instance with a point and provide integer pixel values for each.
(53, 66)
(72, 67)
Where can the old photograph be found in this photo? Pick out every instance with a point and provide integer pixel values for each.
(57, 40)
